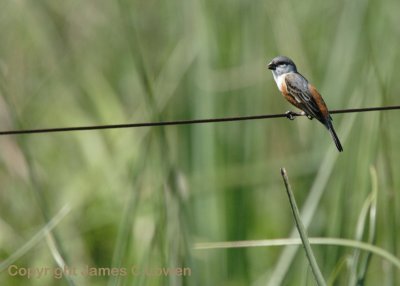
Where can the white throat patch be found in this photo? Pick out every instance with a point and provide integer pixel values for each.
(279, 80)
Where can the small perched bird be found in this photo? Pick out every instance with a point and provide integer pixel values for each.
(299, 92)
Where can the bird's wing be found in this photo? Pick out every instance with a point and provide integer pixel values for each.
(298, 87)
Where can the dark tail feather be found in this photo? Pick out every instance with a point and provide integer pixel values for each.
(334, 136)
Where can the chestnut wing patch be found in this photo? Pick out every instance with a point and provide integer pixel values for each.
(297, 87)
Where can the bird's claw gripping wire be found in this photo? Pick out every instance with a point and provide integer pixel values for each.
(292, 114)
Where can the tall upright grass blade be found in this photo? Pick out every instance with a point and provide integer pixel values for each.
(366, 220)
(302, 231)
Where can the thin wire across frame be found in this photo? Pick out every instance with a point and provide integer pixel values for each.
(184, 122)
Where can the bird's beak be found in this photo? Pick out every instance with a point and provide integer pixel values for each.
(271, 66)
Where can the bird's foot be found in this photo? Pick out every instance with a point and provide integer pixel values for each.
(292, 114)
(309, 116)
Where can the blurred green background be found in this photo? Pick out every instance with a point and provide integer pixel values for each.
(145, 196)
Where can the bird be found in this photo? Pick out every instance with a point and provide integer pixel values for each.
(296, 89)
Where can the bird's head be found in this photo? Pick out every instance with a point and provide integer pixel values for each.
(281, 65)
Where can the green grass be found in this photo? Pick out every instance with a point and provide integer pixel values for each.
(144, 197)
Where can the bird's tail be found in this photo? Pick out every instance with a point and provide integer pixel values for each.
(334, 136)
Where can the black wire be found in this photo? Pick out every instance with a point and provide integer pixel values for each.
(366, 109)
(184, 122)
